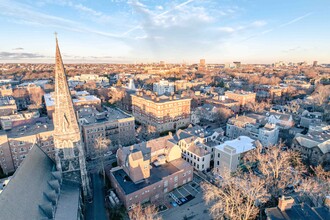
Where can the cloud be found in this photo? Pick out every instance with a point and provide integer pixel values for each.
(279, 26)
(17, 56)
(18, 48)
(231, 30)
(26, 15)
(97, 16)
(295, 20)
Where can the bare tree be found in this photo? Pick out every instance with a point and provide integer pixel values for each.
(36, 95)
(101, 145)
(258, 106)
(146, 213)
(237, 197)
(222, 115)
(115, 95)
(316, 187)
(279, 168)
(321, 95)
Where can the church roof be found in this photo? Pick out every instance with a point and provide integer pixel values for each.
(24, 194)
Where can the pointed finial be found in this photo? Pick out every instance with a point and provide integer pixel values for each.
(55, 33)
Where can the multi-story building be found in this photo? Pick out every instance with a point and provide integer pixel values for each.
(242, 97)
(224, 101)
(112, 124)
(311, 118)
(7, 106)
(228, 156)
(148, 171)
(22, 118)
(16, 143)
(162, 112)
(6, 90)
(163, 87)
(79, 98)
(283, 121)
(196, 145)
(84, 78)
(267, 92)
(254, 126)
(315, 145)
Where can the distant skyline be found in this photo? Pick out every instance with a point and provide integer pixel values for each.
(121, 31)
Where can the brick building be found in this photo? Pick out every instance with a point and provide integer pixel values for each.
(162, 112)
(242, 97)
(80, 99)
(112, 124)
(16, 143)
(147, 171)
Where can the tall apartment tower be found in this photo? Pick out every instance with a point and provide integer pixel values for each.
(69, 151)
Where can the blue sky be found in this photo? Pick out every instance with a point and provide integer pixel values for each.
(128, 31)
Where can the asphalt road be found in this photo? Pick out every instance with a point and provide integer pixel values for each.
(96, 209)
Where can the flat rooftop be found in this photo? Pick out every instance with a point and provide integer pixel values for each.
(241, 144)
(156, 175)
(79, 97)
(91, 115)
(27, 130)
(162, 98)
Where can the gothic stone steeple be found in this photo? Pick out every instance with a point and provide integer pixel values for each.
(69, 151)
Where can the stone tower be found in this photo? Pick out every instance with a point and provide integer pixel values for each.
(69, 151)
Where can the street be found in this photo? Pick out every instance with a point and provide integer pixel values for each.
(96, 209)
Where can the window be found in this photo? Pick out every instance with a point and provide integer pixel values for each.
(218, 155)
(176, 179)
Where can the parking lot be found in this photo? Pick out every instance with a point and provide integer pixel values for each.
(186, 202)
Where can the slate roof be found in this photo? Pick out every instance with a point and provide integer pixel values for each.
(34, 190)
(298, 212)
(24, 193)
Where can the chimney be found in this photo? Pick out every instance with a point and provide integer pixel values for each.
(327, 202)
(285, 203)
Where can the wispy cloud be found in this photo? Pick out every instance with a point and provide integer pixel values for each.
(17, 56)
(25, 14)
(295, 20)
(231, 30)
(18, 48)
(143, 8)
(92, 14)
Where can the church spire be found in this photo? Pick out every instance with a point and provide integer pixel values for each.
(69, 150)
(65, 119)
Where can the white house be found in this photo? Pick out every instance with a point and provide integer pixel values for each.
(228, 156)
(163, 86)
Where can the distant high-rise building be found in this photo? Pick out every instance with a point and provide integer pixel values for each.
(315, 64)
(202, 65)
(202, 62)
(237, 64)
(162, 63)
(69, 151)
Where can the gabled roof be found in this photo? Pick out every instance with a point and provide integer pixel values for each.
(24, 195)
